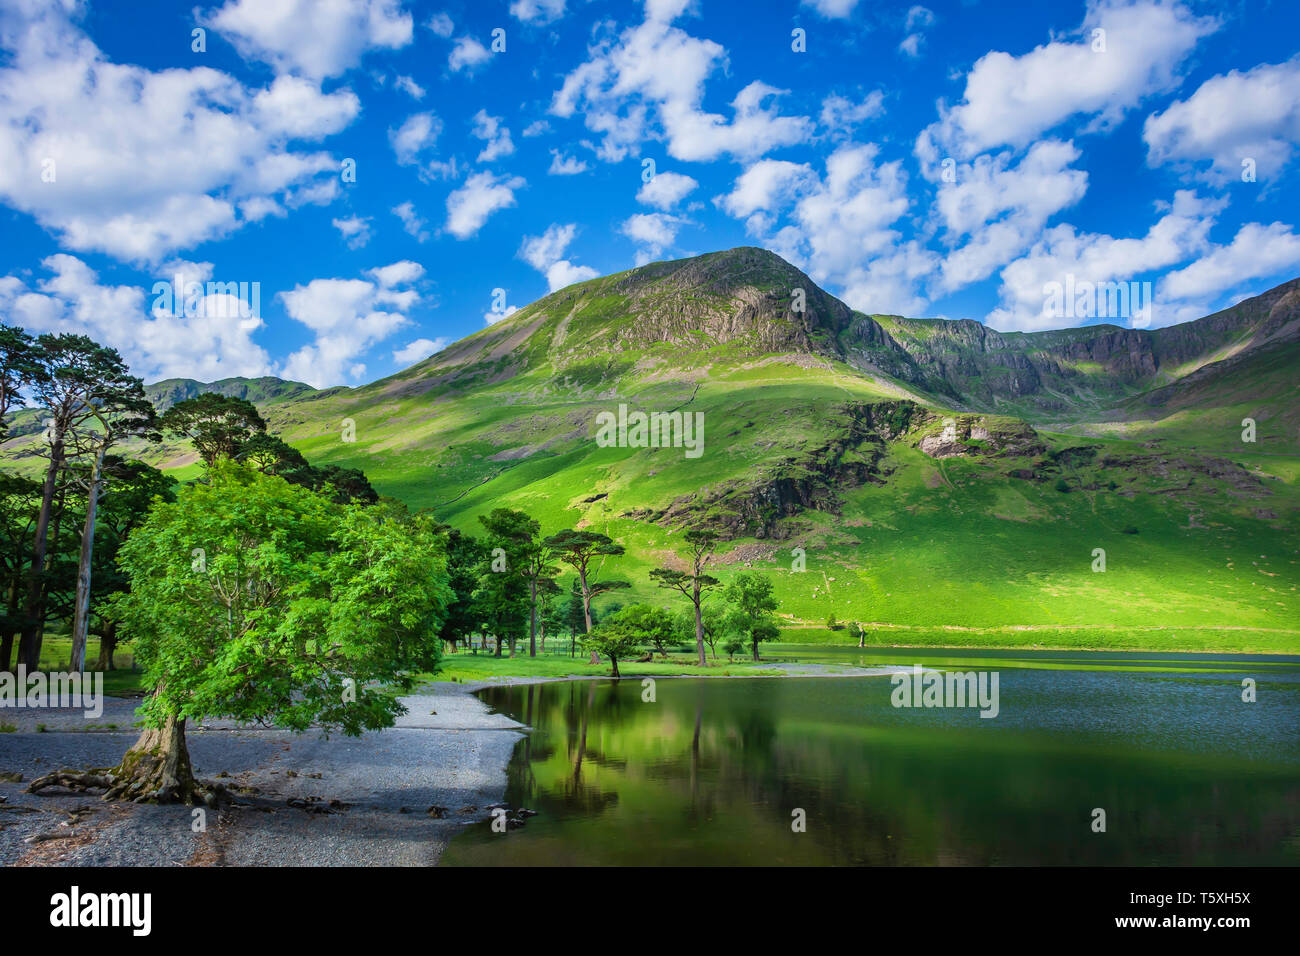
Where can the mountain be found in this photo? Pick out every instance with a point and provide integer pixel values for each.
(929, 475)
(260, 391)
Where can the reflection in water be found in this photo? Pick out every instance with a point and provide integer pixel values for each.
(712, 771)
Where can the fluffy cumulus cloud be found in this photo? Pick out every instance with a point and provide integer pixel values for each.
(649, 82)
(841, 115)
(355, 230)
(831, 9)
(137, 164)
(1124, 51)
(412, 222)
(314, 38)
(994, 208)
(414, 137)
(483, 194)
(843, 226)
(546, 254)
(1065, 255)
(665, 190)
(1255, 251)
(537, 11)
(653, 233)
(206, 335)
(418, 350)
(1251, 118)
(467, 55)
(347, 317)
(918, 20)
(495, 136)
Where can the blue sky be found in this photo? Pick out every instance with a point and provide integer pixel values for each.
(947, 159)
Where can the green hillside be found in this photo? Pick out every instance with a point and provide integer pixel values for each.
(928, 475)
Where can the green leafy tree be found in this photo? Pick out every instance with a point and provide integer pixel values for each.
(578, 549)
(752, 603)
(465, 558)
(655, 625)
(20, 367)
(617, 637)
(215, 424)
(20, 507)
(132, 488)
(694, 584)
(257, 600)
(503, 597)
(78, 382)
(574, 615)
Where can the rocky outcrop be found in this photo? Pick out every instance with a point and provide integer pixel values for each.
(973, 435)
(813, 480)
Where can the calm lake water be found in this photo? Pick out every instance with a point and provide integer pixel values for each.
(714, 770)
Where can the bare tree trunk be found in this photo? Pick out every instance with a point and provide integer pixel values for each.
(107, 647)
(81, 617)
(586, 612)
(532, 621)
(29, 651)
(699, 628)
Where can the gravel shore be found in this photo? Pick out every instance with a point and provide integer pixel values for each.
(389, 798)
(358, 801)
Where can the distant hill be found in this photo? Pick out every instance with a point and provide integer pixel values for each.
(927, 473)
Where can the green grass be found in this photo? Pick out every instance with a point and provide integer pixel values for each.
(466, 667)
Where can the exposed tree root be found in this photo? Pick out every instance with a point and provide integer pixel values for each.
(155, 770)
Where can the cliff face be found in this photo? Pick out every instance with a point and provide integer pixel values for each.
(1067, 373)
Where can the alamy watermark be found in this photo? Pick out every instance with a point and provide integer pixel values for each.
(219, 300)
(1081, 299)
(43, 689)
(637, 429)
(928, 688)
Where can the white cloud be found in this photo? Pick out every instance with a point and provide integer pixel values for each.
(399, 273)
(842, 115)
(469, 207)
(411, 221)
(537, 11)
(418, 133)
(1011, 100)
(355, 230)
(918, 20)
(440, 25)
(666, 190)
(1063, 251)
(1002, 208)
(764, 186)
(562, 165)
(1256, 252)
(467, 54)
(312, 38)
(408, 86)
(494, 135)
(831, 9)
(147, 163)
(545, 253)
(536, 128)
(418, 350)
(492, 318)
(1230, 118)
(653, 231)
(656, 73)
(840, 226)
(347, 317)
(212, 340)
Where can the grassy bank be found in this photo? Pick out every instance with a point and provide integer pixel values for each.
(1218, 640)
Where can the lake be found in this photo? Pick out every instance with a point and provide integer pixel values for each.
(720, 771)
